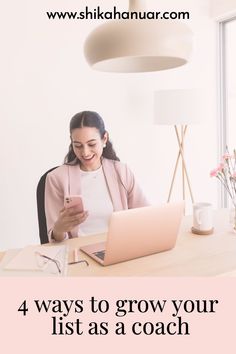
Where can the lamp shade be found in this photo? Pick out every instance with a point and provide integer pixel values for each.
(178, 107)
(138, 45)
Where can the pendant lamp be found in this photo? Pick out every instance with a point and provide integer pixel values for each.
(133, 45)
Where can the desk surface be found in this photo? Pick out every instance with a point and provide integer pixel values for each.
(193, 255)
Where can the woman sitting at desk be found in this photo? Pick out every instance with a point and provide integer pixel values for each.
(91, 169)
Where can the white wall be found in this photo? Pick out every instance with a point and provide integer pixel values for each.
(45, 80)
(224, 8)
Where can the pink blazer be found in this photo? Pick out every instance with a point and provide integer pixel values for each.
(65, 180)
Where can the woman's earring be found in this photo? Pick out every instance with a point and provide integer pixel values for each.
(104, 145)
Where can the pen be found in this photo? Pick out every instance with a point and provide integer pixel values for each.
(76, 255)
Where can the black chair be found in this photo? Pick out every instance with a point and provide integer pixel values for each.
(40, 194)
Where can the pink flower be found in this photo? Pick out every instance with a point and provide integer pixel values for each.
(220, 167)
(214, 172)
(226, 173)
(217, 170)
(226, 156)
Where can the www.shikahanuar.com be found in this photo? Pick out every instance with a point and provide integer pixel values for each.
(114, 14)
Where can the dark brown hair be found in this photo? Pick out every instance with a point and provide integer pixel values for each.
(94, 120)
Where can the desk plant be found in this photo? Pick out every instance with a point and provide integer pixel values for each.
(226, 174)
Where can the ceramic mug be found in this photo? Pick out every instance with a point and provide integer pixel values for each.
(202, 217)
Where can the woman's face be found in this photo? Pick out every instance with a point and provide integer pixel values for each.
(88, 147)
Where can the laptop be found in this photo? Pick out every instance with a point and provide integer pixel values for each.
(139, 232)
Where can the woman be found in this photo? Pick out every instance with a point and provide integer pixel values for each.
(91, 169)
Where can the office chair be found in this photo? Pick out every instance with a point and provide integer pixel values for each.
(40, 194)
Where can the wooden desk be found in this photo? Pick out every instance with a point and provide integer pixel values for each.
(193, 255)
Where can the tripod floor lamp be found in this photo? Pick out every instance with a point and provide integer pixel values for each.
(179, 109)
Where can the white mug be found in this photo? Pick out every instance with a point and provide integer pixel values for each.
(202, 216)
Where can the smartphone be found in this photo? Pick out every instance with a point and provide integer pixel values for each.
(74, 200)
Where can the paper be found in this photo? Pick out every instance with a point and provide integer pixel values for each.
(33, 260)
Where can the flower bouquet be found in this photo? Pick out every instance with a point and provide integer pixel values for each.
(226, 173)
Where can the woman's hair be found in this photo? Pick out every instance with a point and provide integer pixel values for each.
(93, 120)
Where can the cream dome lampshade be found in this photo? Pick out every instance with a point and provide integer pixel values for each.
(133, 45)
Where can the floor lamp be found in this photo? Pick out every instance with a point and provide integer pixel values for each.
(179, 109)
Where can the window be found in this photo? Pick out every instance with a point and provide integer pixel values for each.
(227, 102)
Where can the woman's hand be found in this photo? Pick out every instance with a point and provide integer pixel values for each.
(68, 219)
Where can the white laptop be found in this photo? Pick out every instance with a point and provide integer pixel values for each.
(135, 233)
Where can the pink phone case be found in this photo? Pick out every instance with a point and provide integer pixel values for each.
(74, 200)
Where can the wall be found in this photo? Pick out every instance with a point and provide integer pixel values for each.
(223, 9)
(45, 80)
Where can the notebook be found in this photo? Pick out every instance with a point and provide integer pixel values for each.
(36, 261)
(138, 232)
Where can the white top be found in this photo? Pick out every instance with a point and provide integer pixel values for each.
(96, 201)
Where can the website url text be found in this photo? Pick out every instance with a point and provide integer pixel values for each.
(97, 14)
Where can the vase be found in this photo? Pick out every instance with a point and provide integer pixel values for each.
(232, 218)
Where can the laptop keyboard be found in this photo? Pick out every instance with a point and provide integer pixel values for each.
(100, 254)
